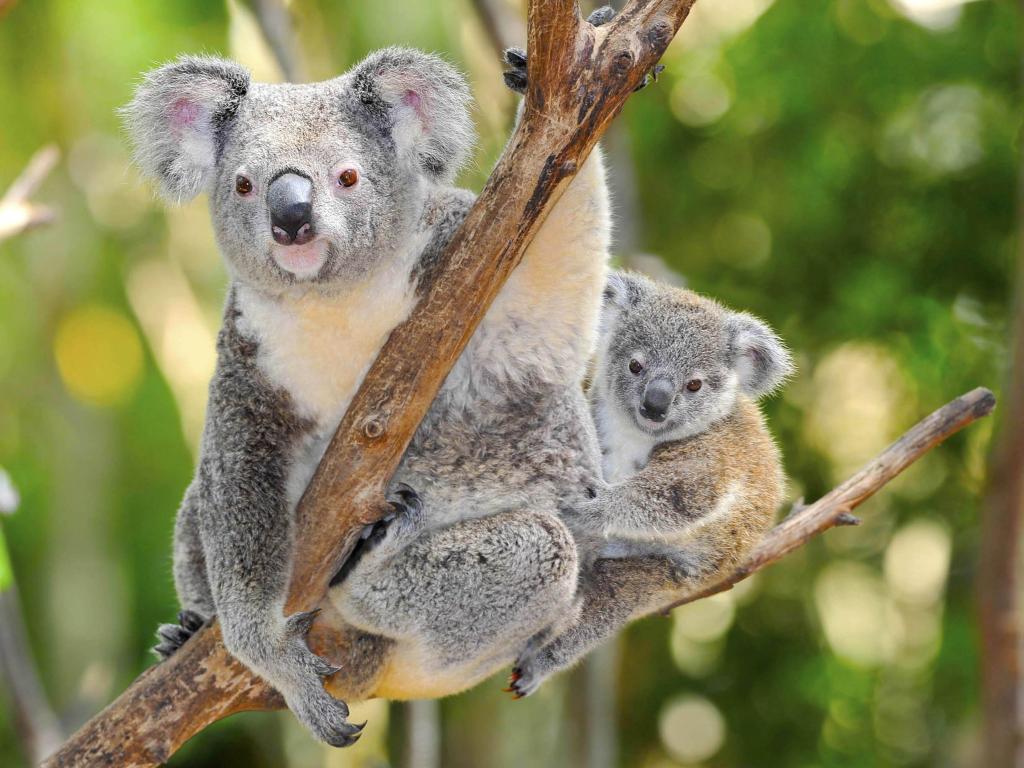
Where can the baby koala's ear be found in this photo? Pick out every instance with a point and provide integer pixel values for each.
(422, 102)
(621, 290)
(757, 354)
(177, 119)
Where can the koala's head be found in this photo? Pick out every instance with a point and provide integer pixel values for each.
(312, 183)
(673, 362)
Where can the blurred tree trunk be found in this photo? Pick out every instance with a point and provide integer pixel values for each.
(422, 725)
(999, 578)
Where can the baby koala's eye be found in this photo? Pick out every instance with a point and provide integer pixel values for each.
(348, 177)
(694, 384)
(635, 367)
(242, 185)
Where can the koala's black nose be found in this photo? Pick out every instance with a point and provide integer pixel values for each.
(290, 199)
(658, 396)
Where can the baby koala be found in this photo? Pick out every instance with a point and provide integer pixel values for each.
(694, 477)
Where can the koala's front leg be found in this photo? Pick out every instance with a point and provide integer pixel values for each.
(246, 531)
(664, 501)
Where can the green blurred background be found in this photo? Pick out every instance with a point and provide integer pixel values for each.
(845, 169)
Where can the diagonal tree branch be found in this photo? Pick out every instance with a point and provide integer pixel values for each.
(580, 77)
(17, 212)
(836, 507)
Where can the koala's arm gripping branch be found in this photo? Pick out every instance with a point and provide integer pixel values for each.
(580, 77)
(834, 508)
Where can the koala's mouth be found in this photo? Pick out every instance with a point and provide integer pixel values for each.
(303, 261)
(650, 426)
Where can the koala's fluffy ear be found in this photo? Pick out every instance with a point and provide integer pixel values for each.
(422, 102)
(757, 354)
(177, 118)
(622, 290)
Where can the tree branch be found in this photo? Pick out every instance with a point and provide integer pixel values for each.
(834, 509)
(17, 213)
(35, 723)
(999, 588)
(274, 19)
(580, 79)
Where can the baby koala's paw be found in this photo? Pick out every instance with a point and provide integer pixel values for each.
(173, 636)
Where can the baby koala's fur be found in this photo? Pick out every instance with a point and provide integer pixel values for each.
(693, 483)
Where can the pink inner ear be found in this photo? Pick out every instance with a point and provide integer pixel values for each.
(183, 113)
(412, 99)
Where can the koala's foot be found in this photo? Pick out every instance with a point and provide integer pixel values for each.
(173, 636)
(529, 672)
(324, 715)
(516, 80)
(389, 533)
(282, 657)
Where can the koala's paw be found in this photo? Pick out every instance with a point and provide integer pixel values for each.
(515, 78)
(402, 524)
(173, 636)
(325, 716)
(389, 533)
(526, 677)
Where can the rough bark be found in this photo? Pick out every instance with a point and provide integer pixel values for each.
(580, 77)
(999, 560)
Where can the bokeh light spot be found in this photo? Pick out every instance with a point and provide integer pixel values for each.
(859, 620)
(917, 562)
(691, 728)
(99, 355)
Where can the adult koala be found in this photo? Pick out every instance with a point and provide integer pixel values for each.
(330, 201)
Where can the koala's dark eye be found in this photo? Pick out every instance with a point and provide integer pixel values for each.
(694, 384)
(348, 177)
(635, 367)
(242, 185)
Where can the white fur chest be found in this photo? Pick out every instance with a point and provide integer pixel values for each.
(624, 448)
(318, 348)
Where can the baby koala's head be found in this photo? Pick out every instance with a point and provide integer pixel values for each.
(671, 363)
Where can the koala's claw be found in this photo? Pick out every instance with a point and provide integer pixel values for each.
(515, 78)
(298, 624)
(515, 58)
(327, 717)
(521, 684)
(650, 77)
(173, 636)
(407, 515)
(394, 528)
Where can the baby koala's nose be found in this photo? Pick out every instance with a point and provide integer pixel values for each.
(290, 199)
(658, 396)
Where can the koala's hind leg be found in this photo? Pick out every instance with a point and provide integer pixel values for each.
(613, 592)
(476, 589)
